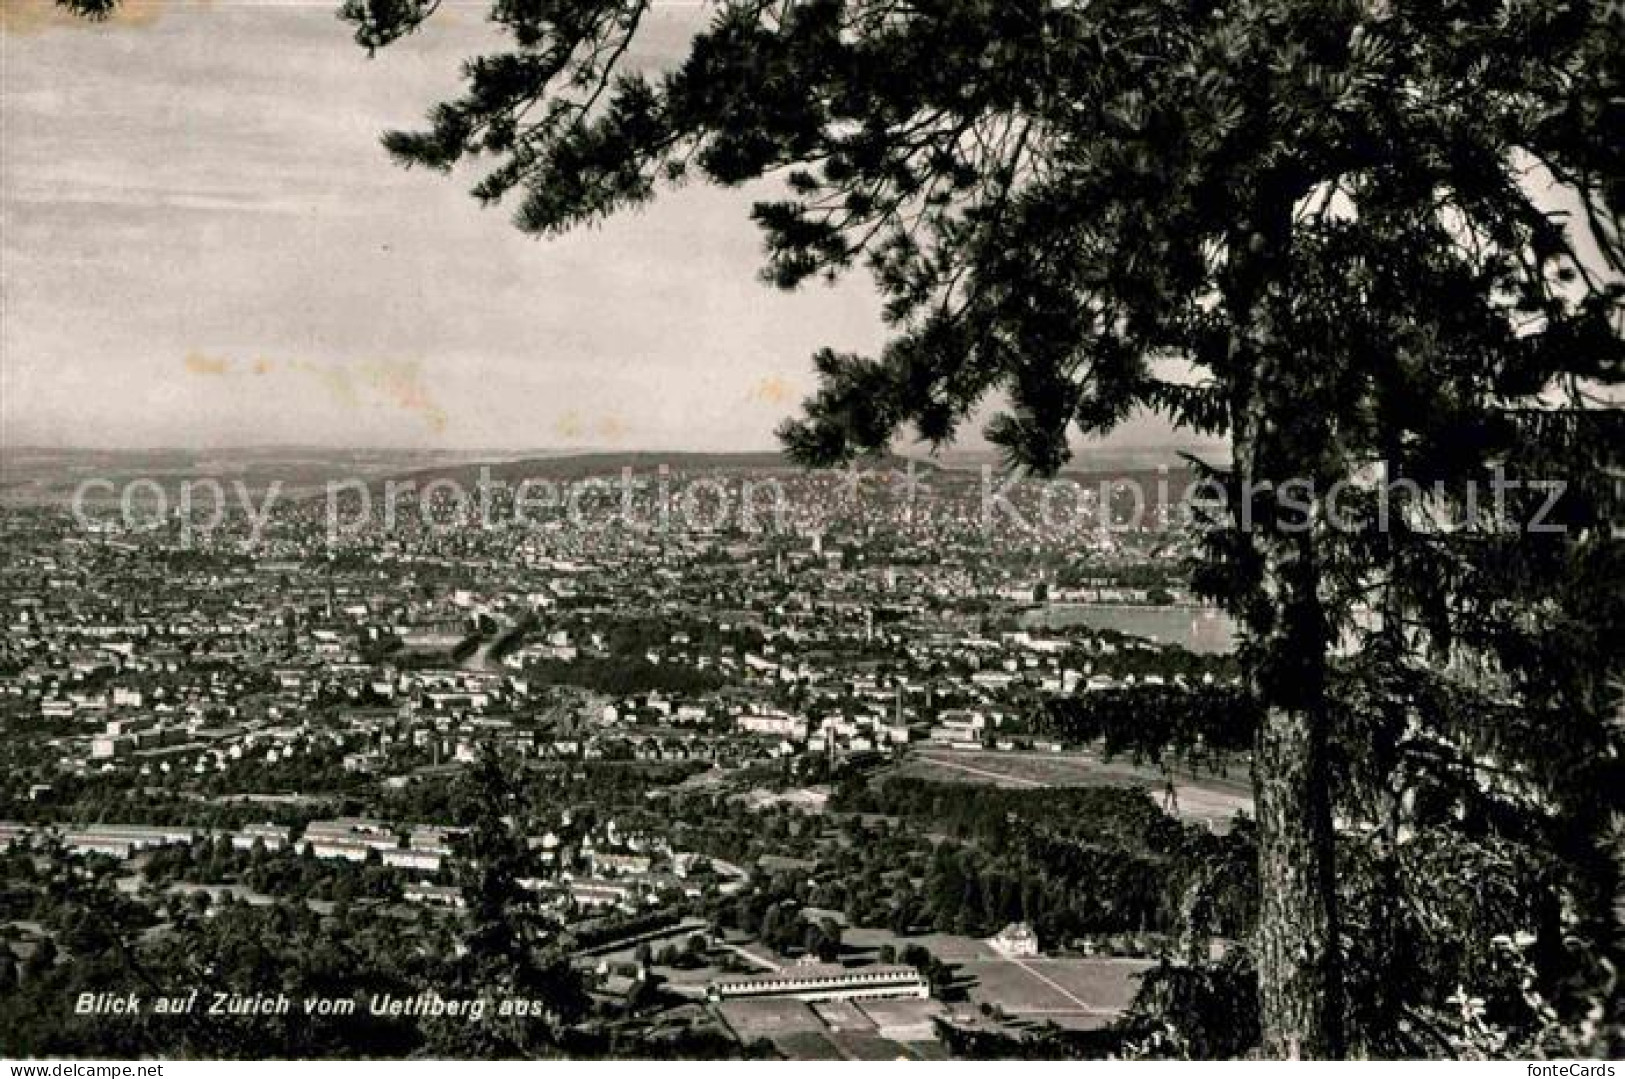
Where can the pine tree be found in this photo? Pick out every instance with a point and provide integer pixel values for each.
(510, 950)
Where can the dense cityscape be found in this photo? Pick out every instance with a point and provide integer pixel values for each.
(789, 791)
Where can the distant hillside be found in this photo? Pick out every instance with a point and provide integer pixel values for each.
(643, 464)
(1094, 461)
(50, 476)
(1145, 468)
(46, 476)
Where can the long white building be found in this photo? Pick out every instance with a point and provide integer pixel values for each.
(824, 981)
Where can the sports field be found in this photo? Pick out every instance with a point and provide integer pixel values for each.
(1081, 993)
(1206, 799)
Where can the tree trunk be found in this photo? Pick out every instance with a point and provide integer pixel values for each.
(1276, 438)
(1300, 992)
(1298, 956)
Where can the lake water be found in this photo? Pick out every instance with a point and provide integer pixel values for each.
(1206, 630)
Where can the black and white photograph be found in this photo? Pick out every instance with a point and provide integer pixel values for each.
(608, 532)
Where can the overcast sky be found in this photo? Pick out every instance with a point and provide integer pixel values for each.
(204, 245)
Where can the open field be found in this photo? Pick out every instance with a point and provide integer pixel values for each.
(689, 983)
(1079, 993)
(752, 1019)
(1206, 799)
(799, 1031)
(857, 1045)
(945, 946)
(904, 1020)
(844, 1015)
(807, 1045)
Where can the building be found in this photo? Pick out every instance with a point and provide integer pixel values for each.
(433, 894)
(105, 747)
(822, 982)
(959, 728)
(620, 864)
(351, 838)
(792, 727)
(123, 840)
(1016, 940)
(602, 893)
(273, 836)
